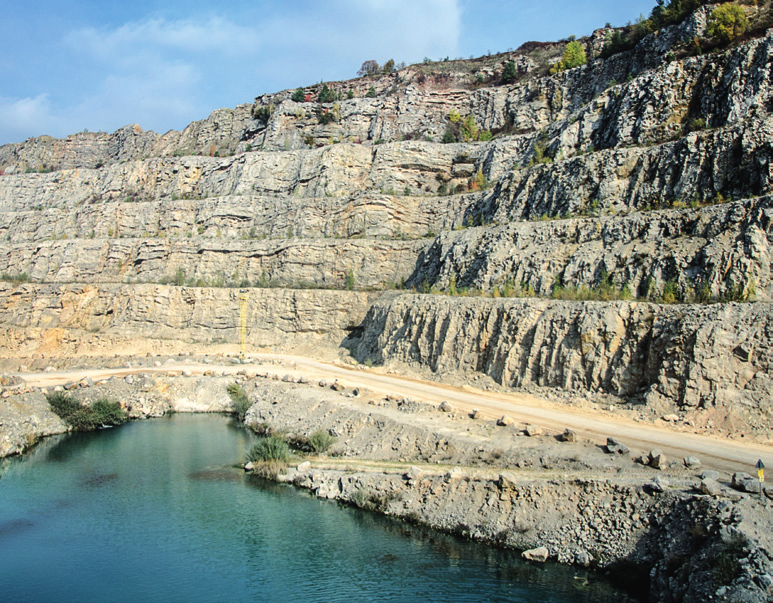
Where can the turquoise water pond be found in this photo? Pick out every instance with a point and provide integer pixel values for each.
(155, 511)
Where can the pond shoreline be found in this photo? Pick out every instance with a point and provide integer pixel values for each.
(447, 471)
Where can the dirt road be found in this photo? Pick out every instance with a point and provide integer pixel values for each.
(714, 452)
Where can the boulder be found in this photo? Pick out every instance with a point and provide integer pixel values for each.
(445, 407)
(582, 558)
(505, 421)
(657, 459)
(532, 431)
(337, 387)
(745, 483)
(658, 484)
(539, 554)
(568, 436)
(304, 466)
(614, 446)
(692, 462)
(710, 487)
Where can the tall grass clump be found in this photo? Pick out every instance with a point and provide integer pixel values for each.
(320, 441)
(240, 403)
(269, 455)
(84, 417)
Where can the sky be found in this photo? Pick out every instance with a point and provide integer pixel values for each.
(94, 65)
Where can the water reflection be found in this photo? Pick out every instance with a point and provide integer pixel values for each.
(156, 511)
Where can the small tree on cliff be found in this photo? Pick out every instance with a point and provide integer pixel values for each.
(727, 22)
(574, 56)
(370, 68)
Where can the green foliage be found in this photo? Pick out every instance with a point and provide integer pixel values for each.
(695, 125)
(370, 68)
(240, 403)
(485, 136)
(670, 293)
(263, 113)
(15, 278)
(371, 93)
(326, 95)
(388, 67)
(349, 281)
(269, 448)
(299, 95)
(350, 94)
(107, 412)
(81, 417)
(320, 441)
(448, 136)
(179, 277)
(541, 154)
(325, 117)
(509, 73)
(727, 22)
(574, 56)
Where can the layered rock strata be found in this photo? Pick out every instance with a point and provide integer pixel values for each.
(672, 358)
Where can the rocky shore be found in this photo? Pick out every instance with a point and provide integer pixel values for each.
(680, 531)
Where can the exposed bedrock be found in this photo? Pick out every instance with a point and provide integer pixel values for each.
(294, 263)
(670, 357)
(274, 316)
(714, 249)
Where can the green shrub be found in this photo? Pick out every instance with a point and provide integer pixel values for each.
(298, 96)
(727, 22)
(349, 281)
(269, 448)
(326, 95)
(63, 404)
(574, 56)
(320, 441)
(107, 412)
(81, 417)
(695, 125)
(240, 403)
(509, 73)
(15, 278)
(263, 113)
(371, 92)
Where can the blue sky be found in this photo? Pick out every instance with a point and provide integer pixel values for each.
(70, 66)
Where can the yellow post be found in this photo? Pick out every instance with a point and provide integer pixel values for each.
(244, 296)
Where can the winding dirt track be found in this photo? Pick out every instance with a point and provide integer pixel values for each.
(714, 452)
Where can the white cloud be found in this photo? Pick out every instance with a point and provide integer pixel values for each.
(164, 73)
(21, 116)
(211, 35)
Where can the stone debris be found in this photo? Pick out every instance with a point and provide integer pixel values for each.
(614, 446)
(568, 436)
(711, 487)
(533, 431)
(692, 462)
(657, 459)
(505, 421)
(745, 483)
(539, 554)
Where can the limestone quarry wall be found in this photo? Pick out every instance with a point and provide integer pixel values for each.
(672, 357)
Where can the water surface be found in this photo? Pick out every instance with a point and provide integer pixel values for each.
(155, 511)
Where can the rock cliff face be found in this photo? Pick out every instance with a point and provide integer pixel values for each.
(647, 173)
(275, 316)
(673, 358)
